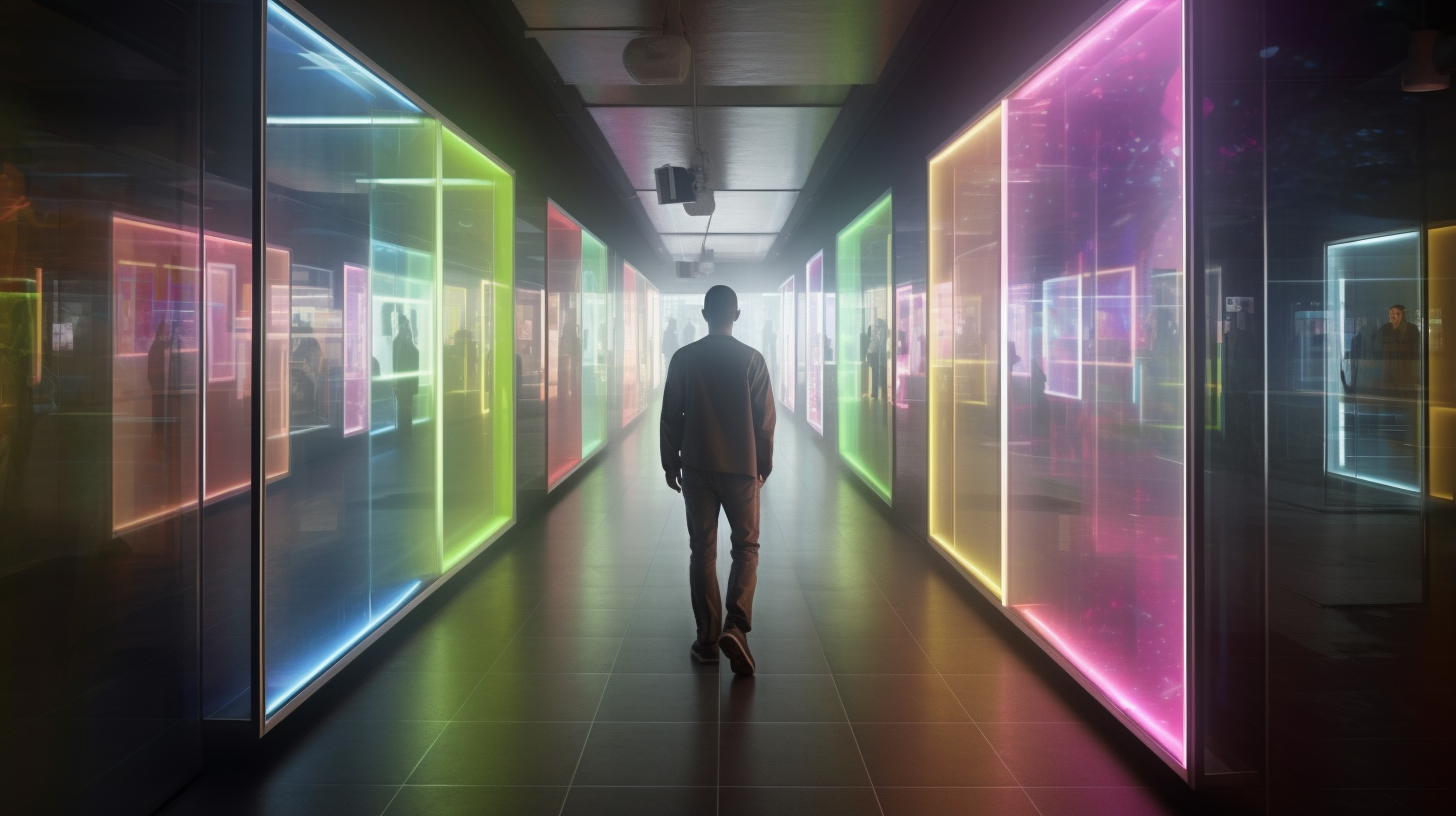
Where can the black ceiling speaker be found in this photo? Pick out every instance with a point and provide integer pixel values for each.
(674, 185)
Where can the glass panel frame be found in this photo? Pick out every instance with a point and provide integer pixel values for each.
(864, 282)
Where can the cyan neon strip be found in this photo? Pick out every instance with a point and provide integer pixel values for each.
(333, 657)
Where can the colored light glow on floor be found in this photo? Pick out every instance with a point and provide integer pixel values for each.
(1125, 701)
(343, 648)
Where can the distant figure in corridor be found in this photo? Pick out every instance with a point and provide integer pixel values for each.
(717, 450)
(406, 360)
(669, 339)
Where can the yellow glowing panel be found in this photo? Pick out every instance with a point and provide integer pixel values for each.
(1441, 295)
(966, 377)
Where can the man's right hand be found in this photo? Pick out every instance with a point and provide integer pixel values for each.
(674, 479)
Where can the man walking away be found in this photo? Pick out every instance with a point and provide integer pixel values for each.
(717, 450)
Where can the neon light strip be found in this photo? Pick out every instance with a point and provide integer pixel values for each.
(1004, 295)
(344, 121)
(1123, 702)
(334, 656)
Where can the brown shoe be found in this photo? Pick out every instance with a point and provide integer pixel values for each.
(735, 645)
(704, 652)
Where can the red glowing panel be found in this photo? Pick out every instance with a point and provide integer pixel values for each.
(563, 345)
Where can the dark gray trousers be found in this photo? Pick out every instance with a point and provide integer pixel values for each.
(704, 493)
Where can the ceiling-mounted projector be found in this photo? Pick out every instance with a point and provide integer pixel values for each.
(675, 185)
(662, 60)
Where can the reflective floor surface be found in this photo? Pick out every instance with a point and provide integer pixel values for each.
(557, 681)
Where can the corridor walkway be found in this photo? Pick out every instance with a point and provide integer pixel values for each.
(558, 681)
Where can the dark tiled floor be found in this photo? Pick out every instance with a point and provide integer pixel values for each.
(558, 682)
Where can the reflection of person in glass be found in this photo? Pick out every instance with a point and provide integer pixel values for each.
(878, 356)
(1399, 352)
(669, 339)
(568, 363)
(306, 374)
(406, 360)
(159, 356)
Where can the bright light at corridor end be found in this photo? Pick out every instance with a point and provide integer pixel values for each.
(1057, 382)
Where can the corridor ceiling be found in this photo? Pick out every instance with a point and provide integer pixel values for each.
(772, 77)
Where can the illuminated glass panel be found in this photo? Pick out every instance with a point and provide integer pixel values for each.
(965, 372)
(784, 345)
(154, 371)
(863, 268)
(632, 347)
(596, 331)
(654, 337)
(1372, 364)
(1095, 432)
(814, 328)
(1441, 290)
(568, 412)
(228, 324)
(477, 446)
(389, 363)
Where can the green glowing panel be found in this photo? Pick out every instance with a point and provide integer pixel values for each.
(476, 440)
(595, 357)
(865, 324)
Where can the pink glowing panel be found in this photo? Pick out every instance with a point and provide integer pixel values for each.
(1094, 204)
(910, 346)
(356, 349)
(154, 371)
(814, 388)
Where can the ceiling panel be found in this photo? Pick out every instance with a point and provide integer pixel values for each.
(737, 248)
(738, 42)
(748, 148)
(591, 13)
(588, 57)
(741, 211)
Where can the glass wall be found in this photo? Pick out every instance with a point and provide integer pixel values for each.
(563, 345)
(1094, 265)
(596, 333)
(579, 326)
(966, 376)
(639, 346)
(863, 269)
(814, 328)
(104, 233)
(395, 414)
(1057, 300)
(784, 345)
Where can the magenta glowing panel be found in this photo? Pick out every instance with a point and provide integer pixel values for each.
(1094, 221)
(814, 320)
(356, 349)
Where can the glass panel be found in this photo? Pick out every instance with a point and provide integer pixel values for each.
(1094, 263)
(814, 329)
(398, 241)
(478, 442)
(596, 331)
(964, 338)
(102, 383)
(784, 345)
(631, 326)
(564, 417)
(863, 268)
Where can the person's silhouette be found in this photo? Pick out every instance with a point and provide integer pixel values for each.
(406, 362)
(717, 450)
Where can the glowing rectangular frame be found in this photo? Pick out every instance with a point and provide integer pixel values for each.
(851, 288)
(814, 385)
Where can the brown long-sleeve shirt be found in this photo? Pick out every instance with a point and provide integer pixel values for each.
(718, 409)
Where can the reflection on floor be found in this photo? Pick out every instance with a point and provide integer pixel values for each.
(558, 681)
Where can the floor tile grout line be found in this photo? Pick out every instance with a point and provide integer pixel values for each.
(874, 789)
(467, 697)
(570, 783)
(941, 675)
